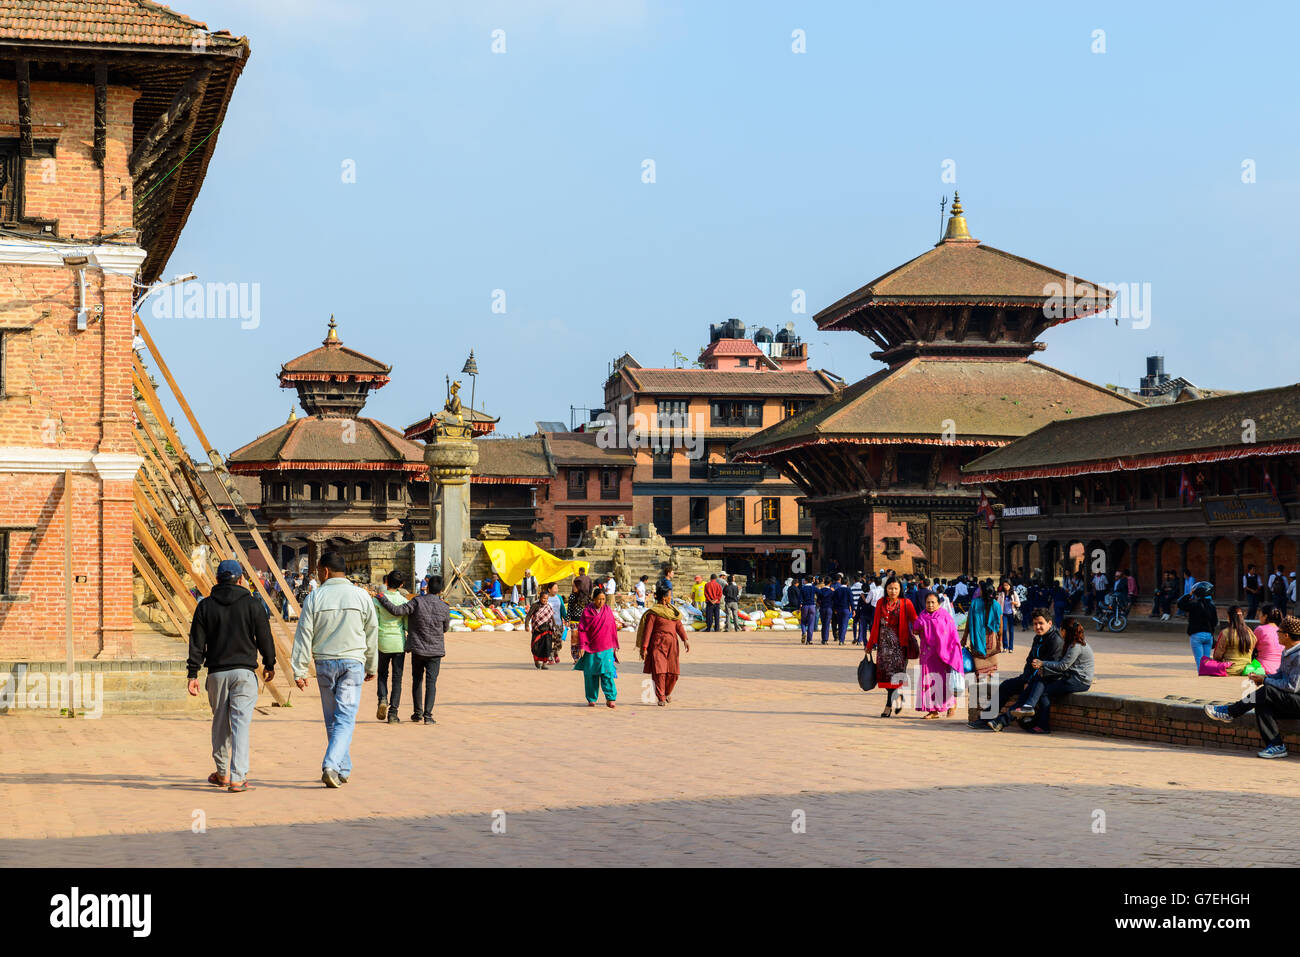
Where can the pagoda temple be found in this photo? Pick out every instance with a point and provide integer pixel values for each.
(333, 476)
(879, 462)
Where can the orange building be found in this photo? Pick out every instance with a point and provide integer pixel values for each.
(680, 425)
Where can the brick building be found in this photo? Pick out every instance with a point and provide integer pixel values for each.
(108, 119)
(684, 481)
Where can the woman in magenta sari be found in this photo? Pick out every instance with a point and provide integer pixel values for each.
(941, 665)
(596, 645)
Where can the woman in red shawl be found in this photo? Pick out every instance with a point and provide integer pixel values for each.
(596, 645)
(893, 622)
(657, 635)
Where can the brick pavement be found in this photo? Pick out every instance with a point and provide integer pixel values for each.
(761, 728)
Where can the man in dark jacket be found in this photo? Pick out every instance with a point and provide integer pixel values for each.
(425, 628)
(229, 628)
(1048, 645)
(1202, 619)
(731, 602)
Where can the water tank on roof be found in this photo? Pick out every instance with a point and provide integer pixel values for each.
(763, 334)
(787, 334)
(731, 329)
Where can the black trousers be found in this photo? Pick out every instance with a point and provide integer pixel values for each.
(712, 617)
(422, 668)
(1270, 704)
(397, 661)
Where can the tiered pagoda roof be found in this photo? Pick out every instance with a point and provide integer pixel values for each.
(332, 383)
(963, 298)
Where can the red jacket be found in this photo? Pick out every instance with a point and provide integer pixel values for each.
(713, 592)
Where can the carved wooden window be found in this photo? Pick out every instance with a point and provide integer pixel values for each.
(771, 511)
(13, 193)
(735, 516)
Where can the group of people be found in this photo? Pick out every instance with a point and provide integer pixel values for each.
(586, 620)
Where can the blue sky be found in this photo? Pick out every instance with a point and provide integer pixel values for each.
(774, 171)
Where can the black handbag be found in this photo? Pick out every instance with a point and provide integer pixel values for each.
(867, 674)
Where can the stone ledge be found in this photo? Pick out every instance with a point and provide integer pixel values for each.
(1171, 720)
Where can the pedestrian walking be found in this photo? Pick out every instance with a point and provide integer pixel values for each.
(227, 632)
(392, 649)
(731, 602)
(543, 626)
(427, 619)
(339, 632)
(940, 655)
(597, 644)
(657, 637)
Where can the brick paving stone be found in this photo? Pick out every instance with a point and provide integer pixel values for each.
(760, 727)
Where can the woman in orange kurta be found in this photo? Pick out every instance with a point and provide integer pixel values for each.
(889, 630)
(657, 635)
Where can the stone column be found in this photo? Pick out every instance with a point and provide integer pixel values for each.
(451, 462)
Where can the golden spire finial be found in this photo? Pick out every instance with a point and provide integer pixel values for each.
(957, 230)
(333, 335)
(293, 415)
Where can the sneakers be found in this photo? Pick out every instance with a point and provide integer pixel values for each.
(1022, 712)
(1275, 751)
(1219, 712)
(330, 778)
(394, 718)
(429, 721)
(382, 712)
(1165, 616)
(994, 725)
(417, 718)
(343, 779)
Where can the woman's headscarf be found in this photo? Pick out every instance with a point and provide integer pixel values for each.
(660, 609)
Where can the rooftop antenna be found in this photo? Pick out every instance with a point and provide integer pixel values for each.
(943, 204)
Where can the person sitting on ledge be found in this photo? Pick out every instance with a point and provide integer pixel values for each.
(1236, 644)
(1268, 650)
(1276, 696)
(1074, 671)
(1047, 645)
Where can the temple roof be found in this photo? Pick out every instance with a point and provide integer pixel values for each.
(513, 458)
(329, 443)
(98, 21)
(987, 402)
(333, 360)
(963, 297)
(583, 448)
(1204, 430)
(480, 423)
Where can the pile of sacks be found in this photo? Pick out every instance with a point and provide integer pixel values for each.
(509, 617)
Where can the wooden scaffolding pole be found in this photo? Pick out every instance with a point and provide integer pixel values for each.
(280, 630)
(218, 467)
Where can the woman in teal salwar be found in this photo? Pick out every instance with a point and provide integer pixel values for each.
(596, 644)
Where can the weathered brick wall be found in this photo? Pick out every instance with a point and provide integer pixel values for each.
(86, 200)
(68, 390)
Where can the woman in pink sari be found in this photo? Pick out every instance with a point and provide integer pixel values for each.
(596, 644)
(941, 665)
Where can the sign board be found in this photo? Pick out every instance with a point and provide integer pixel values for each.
(729, 472)
(1235, 509)
(1032, 538)
(428, 558)
(1020, 511)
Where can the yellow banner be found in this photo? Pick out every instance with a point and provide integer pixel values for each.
(512, 559)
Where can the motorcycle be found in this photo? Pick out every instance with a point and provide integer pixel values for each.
(1111, 614)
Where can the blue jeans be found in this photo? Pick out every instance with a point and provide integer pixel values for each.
(1008, 632)
(340, 697)
(1202, 644)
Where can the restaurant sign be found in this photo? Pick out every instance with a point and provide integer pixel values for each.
(1236, 509)
(1021, 511)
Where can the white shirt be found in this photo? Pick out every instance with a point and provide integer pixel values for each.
(640, 591)
(876, 592)
(961, 590)
(610, 587)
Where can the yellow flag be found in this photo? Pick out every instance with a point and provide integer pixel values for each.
(512, 559)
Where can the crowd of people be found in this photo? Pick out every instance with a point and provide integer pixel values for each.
(954, 630)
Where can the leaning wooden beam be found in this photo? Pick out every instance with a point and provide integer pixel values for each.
(279, 627)
(165, 598)
(162, 562)
(219, 467)
(200, 577)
